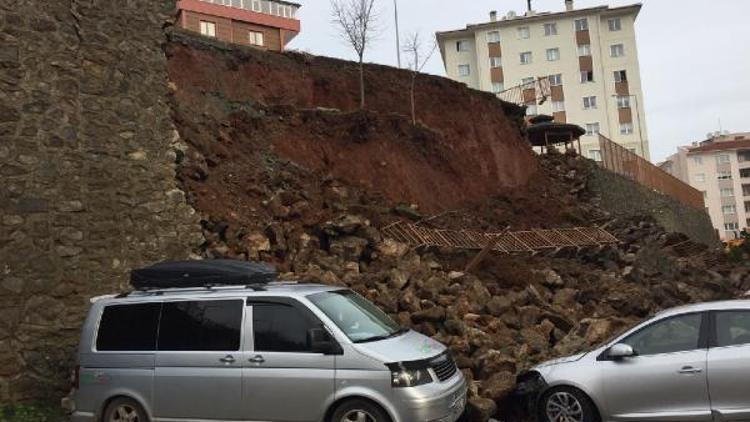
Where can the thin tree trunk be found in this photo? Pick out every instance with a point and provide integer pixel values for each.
(413, 99)
(361, 84)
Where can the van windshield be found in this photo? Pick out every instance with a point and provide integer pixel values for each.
(359, 319)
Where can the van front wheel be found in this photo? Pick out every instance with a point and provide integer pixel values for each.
(124, 410)
(359, 411)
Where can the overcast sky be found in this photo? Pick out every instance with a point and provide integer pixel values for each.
(694, 54)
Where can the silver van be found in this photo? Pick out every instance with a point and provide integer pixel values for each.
(262, 352)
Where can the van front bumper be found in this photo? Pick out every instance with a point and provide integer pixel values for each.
(434, 402)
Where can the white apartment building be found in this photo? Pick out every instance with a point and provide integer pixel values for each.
(720, 168)
(589, 56)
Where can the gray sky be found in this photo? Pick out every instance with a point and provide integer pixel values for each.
(694, 54)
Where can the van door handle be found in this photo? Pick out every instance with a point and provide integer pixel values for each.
(690, 370)
(257, 359)
(227, 359)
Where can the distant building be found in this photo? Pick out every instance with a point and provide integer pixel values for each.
(720, 168)
(588, 55)
(267, 24)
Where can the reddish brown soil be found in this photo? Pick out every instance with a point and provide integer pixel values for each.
(467, 148)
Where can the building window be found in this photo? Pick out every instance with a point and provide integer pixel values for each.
(728, 209)
(256, 38)
(592, 129)
(745, 190)
(498, 87)
(257, 6)
(700, 177)
(208, 29)
(584, 50)
(582, 24)
(550, 29)
(727, 192)
(595, 155)
(531, 110)
(621, 76)
(555, 80)
(493, 36)
(587, 76)
(745, 173)
(724, 175)
(615, 24)
(589, 103)
(526, 57)
(464, 70)
(553, 54)
(524, 33)
(617, 50)
(623, 101)
(462, 45)
(698, 161)
(731, 226)
(747, 206)
(558, 106)
(626, 128)
(528, 83)
(723, 159)
(496, 61)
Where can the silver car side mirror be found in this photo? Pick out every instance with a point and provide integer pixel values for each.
(621, 350)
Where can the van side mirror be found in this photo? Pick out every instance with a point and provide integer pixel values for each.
(621, 351)
(322, 342)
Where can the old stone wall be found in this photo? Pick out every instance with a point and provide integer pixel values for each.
(87, 173)
(624, 198)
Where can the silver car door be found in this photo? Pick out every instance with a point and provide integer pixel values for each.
(666, 380)
(729, 365)
(198, 362)
(282, 379)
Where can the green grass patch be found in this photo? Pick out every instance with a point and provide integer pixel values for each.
(32, 412)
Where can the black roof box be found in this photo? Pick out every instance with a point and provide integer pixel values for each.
(216, 272)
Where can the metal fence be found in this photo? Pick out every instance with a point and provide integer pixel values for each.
(620, 160)
(503, 242)
(527, 93)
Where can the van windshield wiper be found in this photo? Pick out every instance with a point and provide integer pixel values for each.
(398, 332)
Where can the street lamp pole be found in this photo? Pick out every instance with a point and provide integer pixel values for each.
(398, 41)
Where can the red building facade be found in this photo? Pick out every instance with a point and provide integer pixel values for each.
(267, 24)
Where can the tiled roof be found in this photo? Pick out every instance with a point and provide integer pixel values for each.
(721, 146)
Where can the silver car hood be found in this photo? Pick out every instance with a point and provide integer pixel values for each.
(558, 361)
(406, 347)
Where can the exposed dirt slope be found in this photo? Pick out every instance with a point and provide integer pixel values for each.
(473, 146)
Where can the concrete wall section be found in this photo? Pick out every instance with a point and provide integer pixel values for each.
(623, 198)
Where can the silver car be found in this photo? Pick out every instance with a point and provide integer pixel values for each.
(690, 363)
(272, 352)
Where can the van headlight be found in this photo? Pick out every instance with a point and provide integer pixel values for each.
(402, 376)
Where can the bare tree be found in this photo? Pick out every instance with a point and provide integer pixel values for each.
(418, 58)
(356, 19)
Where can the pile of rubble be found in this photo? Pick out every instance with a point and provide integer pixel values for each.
(506, 314)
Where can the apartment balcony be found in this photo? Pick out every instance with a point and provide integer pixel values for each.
(271, 13)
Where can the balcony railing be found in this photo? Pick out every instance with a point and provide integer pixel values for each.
(281, 9)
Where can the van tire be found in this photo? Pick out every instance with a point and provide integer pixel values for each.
(575, 398)
(346, 410)
(124, 404)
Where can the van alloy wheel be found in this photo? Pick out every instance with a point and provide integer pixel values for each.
(564, 407)
(358, 415)
(125, 413)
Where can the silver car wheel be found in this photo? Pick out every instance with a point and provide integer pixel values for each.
(125, 413)
(357, 415)
(564, 407)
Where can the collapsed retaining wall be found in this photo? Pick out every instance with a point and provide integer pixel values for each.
(622, 197)
(87, 173)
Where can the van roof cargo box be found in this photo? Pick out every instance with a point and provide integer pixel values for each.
(216, 272)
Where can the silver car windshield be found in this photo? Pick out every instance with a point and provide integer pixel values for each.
(359, 319)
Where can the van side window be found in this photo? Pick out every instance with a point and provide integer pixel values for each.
(732, 328)
(280, 328)
(127, 328)
(208, 325)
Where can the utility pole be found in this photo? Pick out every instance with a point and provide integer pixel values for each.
(398, 41)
